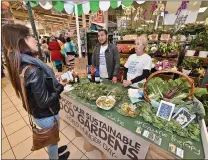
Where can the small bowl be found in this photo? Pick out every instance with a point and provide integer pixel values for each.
(106, 108)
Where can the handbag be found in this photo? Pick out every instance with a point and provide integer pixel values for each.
(41, 137)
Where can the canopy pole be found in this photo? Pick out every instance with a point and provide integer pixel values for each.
(34, 29)
(78, 34)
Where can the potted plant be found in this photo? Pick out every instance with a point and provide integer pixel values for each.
(174, 48)
(151, 49)
(191, 51)
(203, 40)
(191, 66)
(187, 66)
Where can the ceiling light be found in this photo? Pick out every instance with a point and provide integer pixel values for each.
(55, 17)
(149, 21)
(143, 25)
(195, 3)
(140, 2)
(202, 9)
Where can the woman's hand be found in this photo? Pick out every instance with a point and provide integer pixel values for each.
(63, 82)
(58, 74)
(126, 83)
(114, 80)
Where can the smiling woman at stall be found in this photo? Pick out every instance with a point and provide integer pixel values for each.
(138, 65)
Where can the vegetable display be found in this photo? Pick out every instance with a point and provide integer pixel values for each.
(174, 91)
(202, 95)
(92, 91)
(194, 65)
(165, 64)
(149, 115)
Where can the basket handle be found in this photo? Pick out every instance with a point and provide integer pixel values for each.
(191, 93)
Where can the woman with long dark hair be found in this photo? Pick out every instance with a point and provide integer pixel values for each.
(42, 88)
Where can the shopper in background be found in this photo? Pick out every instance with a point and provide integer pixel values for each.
(56, 55)
(46, 52)
(138, 66)
(106, 57)
(69, 47)
(20, 48)
(62, 39)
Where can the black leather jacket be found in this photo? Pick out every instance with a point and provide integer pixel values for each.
(40, 93)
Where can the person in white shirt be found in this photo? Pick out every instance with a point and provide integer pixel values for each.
(106, 57)
(138, 65)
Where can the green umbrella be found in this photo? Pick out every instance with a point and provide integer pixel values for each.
(127, 3)
(58, 5)
(94, 6)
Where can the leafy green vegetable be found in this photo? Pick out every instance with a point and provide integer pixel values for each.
(92, 91)
(149, 115)
(199, 92)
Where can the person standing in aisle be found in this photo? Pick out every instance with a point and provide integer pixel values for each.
(138, 66)
(69, 47)
(106, 57)
(56, 55)
(44, 48)
(42, 94)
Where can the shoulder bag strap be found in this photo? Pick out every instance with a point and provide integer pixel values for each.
(22, 83)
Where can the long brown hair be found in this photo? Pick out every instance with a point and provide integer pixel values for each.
(13, 36)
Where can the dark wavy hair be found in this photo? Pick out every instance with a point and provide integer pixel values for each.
(13, 39)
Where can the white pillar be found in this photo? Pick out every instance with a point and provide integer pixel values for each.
(157, 21)
(106, 20)
(84, 25)
(78, 34)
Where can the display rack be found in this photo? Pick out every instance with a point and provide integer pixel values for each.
(176, 60)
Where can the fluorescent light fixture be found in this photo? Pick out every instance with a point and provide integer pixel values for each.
(140, 2)
(202, 9)
(149, 21)
(55, 17)
(143, 25)
(200, 22)
(195, 3)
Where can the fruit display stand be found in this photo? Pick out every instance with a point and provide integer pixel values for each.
(120, 137)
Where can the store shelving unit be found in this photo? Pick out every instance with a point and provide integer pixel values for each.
(164, 76)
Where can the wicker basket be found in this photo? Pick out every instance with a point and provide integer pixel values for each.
(191, 93)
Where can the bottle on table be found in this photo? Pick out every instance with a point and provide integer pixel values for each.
(97, 75)
(92, 70)
(89, 73)
(76, 78)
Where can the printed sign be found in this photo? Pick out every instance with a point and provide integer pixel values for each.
(114, 140)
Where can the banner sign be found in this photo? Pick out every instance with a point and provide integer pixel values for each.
(115, 141)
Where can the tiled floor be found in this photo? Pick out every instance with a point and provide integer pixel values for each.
(16, 132)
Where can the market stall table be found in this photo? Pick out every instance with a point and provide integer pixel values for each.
(123, 137)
